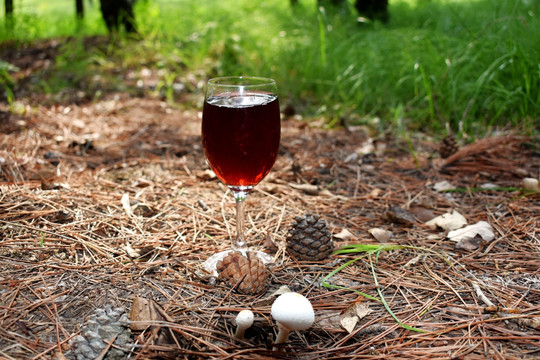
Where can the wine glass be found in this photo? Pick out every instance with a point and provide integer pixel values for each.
(241, 131)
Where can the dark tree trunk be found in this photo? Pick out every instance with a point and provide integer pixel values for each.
(9, 7)
(9, 14)
(330, 2)
(79, 9)
(373, 9)
(118, 14)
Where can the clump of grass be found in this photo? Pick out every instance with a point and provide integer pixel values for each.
(34, 19)
(6, 81)
(459, 65)
(468, 65)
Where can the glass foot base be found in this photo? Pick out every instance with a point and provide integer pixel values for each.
(209, 266)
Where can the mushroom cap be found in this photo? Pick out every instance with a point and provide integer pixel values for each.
(244, 319)
(293, 311)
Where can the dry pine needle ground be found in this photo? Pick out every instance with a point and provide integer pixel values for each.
(106, 202)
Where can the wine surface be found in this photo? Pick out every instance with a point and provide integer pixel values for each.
(240, 135)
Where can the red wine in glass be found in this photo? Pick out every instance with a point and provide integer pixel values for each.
(240, 134)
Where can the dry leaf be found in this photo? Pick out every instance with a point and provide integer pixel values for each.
(375, 193)
(423, 214)
(362, 310)
(470, 244)
(352, 315)
(46, 185)
(442, 186)
(399, 215)
(205, 174)
(269, 244)
(348, 322)
(473, 236)
(141, 183)
(380, 234)
(481, 228)
(141, 209)
(140, 312)
(448, 221)
(132, 253)
(147, 313)
(351, 157)
(306, 188)
(344, 234)
(367, 147)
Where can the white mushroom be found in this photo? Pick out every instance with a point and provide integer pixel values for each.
(244, 320)
(530, 184)
(291, 311)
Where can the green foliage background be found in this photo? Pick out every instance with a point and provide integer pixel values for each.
(463, 65)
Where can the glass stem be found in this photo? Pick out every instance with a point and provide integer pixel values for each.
(239, 242)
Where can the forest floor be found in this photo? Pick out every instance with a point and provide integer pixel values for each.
(107, 203)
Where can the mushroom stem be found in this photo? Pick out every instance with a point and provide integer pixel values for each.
(240, 331)
(282, 335)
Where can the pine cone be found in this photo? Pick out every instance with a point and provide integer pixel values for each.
(448, 146)
(248, 273)
(98, 330)
(309, 238)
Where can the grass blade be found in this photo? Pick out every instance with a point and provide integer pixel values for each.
(385, 304)
(368, 250)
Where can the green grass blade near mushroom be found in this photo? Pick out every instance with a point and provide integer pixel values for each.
(368, 250)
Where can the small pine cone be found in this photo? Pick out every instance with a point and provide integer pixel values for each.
(248, 273)
(309, 238)
(99, 329)
(448, 146)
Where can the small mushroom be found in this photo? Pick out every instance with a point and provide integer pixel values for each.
(244, 320)
(291, 311)
(530, 184)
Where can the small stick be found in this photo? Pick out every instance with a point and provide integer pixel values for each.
(481, 295)
(104, 352)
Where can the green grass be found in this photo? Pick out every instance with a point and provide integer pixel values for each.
(469, 66)
(374, 251)
(36, 19)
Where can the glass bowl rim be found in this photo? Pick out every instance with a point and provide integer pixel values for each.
(244, 81)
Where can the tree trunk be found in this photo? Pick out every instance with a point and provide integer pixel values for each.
(373, 9)
(9, 14)
(118, 14)
(79, 9)
(9, 7)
